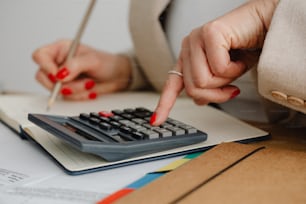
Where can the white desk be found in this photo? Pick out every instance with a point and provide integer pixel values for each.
(28, 175)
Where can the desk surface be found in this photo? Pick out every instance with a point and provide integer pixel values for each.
(284, 137)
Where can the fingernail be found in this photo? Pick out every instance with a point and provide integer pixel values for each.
(92, 95)
(235, 93)
(62, 73)
(66, 91)
(89, 84)
(153, 118)
(52, 78)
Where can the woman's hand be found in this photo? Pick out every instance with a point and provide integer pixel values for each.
(215, 54)
(88, 74)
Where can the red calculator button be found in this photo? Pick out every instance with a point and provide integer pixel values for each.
(106, 114)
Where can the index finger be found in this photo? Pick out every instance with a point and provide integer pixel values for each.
(173, 87)
(48, 57)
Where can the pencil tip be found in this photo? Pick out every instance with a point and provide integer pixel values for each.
(49, 105)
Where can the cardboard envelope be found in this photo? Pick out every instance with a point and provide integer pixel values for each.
(231, 173)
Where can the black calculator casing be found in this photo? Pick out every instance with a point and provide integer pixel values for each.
(90, 138)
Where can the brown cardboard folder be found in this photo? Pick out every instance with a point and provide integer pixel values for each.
(231, 173)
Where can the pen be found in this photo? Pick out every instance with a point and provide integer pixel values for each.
(71, 51)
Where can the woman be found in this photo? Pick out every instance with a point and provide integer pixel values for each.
(148, 65)
(217, 53)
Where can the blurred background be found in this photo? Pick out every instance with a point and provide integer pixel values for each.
(28, 24)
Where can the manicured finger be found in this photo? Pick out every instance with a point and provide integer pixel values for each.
(43, 79)
(45, 57)
(80, 92)
(172, 89)
(77, 66)
(217, 95)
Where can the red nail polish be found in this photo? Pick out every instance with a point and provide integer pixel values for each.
(62, 73)
(90, 84)
(235, 93)
(66, 91)
(152, 119)
(92, 95)
(52, 78)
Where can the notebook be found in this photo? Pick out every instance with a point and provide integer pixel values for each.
(219, 126)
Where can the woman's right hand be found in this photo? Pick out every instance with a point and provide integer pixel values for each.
(215, 54)
(88, 74)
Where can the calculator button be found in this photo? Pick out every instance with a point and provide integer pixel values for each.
(137, 127)
(94, 114)
(116, 118)
(125, 129)
(147, 119)
(142, 114)
(104, 119)
(141, 109)
(147, 125)
(150, 134)
(126, 122)
(106, 114)
(176, 130)
(117, 112)
(139, 136)
(126, 137)
(90, 126)
(105, 126)
(115, 124)
(127, 116)
(94, 121)
(165, 125)
(163, 132)
(174, 122)
(139, 120)
(189, 129)
(128, 110)
(84, 116)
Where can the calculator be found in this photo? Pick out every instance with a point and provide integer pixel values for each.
(120, 133)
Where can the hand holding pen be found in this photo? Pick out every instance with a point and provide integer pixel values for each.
(71, 52)
(88, 74)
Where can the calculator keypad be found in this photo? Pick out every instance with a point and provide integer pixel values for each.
(131, 124)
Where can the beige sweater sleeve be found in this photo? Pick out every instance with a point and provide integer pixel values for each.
(282, 65)
(138, 79)
(154, 56)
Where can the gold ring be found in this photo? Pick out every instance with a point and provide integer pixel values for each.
(175, 72)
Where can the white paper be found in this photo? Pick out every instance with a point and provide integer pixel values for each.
(30, 176)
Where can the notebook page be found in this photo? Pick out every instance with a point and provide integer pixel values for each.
(14, 108)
